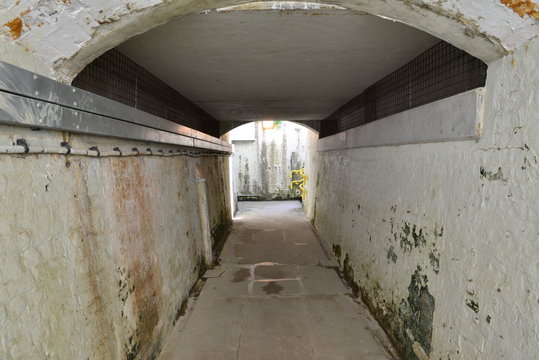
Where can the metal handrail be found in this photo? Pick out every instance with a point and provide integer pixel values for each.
(300, 183)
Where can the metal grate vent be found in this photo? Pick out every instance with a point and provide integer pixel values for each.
(115, 76)
(439, 72)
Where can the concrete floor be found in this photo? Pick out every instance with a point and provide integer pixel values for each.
(275, 295)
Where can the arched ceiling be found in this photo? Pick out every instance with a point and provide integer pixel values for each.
(274, 64)
(58, 38)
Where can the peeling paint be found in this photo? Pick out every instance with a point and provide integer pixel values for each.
(410, 324)
(416, 313)
(15, 28)
(471, 29)
(411, 237)
(492, 176)
(434, 258)
(391, 254)
(472, 304)
(523, 7)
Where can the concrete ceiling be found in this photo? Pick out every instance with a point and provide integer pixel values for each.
(272, 64)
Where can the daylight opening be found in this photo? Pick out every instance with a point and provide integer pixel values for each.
(269, 159)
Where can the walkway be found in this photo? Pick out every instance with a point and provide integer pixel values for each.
(275, 296)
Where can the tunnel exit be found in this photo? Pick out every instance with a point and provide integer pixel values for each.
(267, 156)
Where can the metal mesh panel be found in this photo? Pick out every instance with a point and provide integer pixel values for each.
(439, 72)
(115, 76)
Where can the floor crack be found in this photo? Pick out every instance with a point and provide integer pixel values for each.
(242, 318)
(239, 346)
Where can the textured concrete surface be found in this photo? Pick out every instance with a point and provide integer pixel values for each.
(311, 170)
(275, 296)
(458, 117)
(98, 254)
(275, 65)
(441, 238)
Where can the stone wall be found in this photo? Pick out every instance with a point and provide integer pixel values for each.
(440, 239)
(98, 254)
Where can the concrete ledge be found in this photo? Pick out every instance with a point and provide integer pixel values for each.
(30, 100)
(455, 118)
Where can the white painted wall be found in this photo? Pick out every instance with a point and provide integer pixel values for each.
(263, 158)
(311, 170)
(483, 194)
(97, 254)
(460, 215)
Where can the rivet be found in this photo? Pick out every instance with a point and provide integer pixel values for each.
(35, 77)
(37, 93)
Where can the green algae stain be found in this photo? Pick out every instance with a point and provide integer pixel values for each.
(412, 237)
(416, 313)
(492, 176)
(391, 254)
(474, 305)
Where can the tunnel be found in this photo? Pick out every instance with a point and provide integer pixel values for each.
(137, 224)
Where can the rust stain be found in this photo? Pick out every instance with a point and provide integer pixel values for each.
(133, 214)
(88, 233)
(15, 28)
(523, 7)
(66, 136)
(25, 12)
